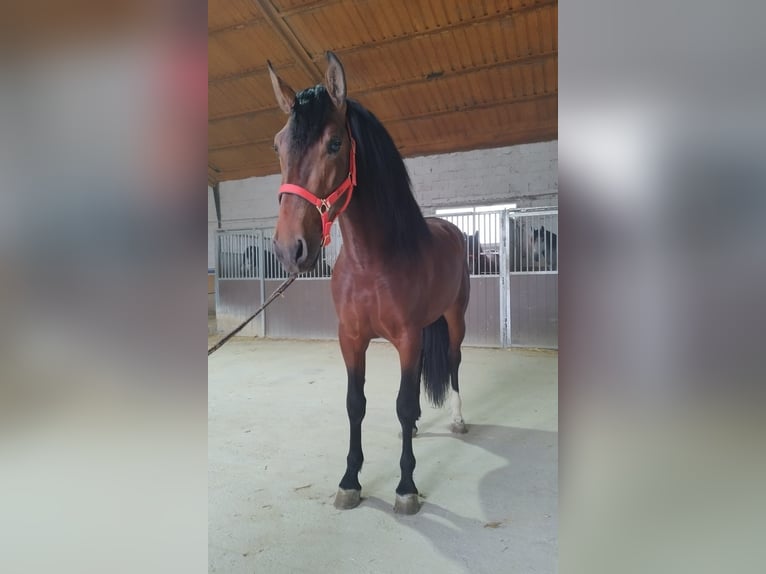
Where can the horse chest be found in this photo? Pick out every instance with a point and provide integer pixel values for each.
(369, 305)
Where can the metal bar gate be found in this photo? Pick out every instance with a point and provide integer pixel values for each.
(513, 258)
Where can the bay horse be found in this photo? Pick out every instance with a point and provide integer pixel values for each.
(398, 275)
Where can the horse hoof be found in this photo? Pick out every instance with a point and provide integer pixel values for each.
(406, 504)
(458, 427)
(347, 499)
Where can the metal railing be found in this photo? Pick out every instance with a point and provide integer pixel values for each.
(247, 254)
(533, 241)
(483, 235)
(530, 240)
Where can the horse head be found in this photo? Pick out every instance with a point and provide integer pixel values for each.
(474, 252)
(315, 157)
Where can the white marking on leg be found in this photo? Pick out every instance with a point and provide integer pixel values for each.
(455, 404)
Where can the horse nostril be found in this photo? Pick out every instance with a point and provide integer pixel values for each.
(300, 252)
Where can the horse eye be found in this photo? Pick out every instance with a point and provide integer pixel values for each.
(334, 145)
(275, 148)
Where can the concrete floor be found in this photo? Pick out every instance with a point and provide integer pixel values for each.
(277, 440)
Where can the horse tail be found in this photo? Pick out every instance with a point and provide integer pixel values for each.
(434, 361)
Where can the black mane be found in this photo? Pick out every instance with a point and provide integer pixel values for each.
(383, 179)
(383, 183)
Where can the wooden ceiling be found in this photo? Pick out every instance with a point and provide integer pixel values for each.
(442, 75)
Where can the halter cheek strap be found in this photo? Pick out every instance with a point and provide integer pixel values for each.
(325, 205)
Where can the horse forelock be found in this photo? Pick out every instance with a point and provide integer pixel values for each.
(309, 116)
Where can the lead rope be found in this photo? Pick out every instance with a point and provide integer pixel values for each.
(279, 290)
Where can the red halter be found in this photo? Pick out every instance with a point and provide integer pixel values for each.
(325, 205)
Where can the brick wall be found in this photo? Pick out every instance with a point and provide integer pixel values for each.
(523, 174)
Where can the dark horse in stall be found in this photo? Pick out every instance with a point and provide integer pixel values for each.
(480, 262)
(250, 263)
(544, 247)
(398, 275)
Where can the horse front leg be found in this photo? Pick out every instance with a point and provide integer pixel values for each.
(349, 491)
(408, 412)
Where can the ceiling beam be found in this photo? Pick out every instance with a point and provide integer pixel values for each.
(236, 26)
(213, 173)
(308, 7)
(472, 107)
(543, 132)
(217, 201)
(296, 49)
(524, 60)
(320, 4)
(408, 82)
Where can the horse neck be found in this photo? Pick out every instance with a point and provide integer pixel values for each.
(362, 242)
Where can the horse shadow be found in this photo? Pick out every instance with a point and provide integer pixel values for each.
(518, 500)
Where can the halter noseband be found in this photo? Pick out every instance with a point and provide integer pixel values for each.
(325, 205)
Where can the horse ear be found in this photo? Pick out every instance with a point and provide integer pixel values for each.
(284, 93)
(542, 230)
(335, 80)
(476, 233)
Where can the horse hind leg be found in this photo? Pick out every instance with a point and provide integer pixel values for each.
(456, 328)
(408, 411)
